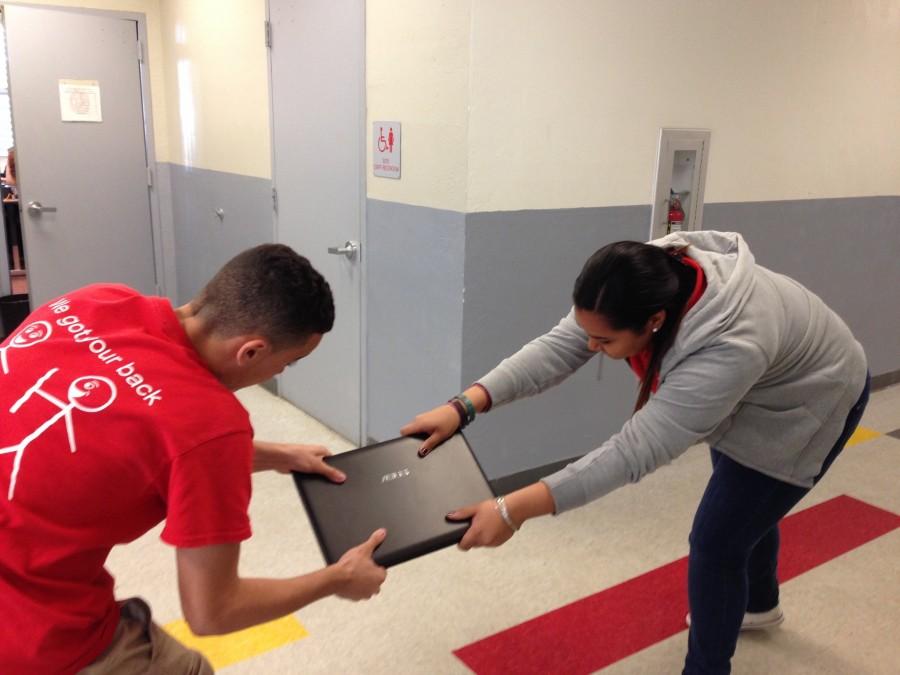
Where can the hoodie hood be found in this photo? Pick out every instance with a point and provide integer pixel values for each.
(728, 264)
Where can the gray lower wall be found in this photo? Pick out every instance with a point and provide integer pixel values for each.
(520, 268)
(448, 295)
(203, 242)
(4, 260)
(414, 311)
(847, 251)
(166, 246)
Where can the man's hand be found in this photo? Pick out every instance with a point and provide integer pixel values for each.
(488, 527)
(311, 459)
(287, 457)
(360, 577)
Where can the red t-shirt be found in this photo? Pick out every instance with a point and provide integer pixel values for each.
(110, 424)
(641, 361)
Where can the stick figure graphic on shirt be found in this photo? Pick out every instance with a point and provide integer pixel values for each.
(34, 333)
(89, 394)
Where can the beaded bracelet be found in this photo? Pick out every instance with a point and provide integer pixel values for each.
(460, 410)
(470, 407)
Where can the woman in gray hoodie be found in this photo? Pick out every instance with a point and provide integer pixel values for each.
(726, 352)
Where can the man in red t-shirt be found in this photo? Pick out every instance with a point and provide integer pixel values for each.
(118, 413)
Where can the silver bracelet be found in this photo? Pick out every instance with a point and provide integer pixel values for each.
(504, 513)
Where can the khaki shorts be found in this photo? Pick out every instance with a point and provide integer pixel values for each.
(141, 646)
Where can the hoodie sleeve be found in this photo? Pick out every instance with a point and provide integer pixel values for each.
(690, 403)
(541, 364)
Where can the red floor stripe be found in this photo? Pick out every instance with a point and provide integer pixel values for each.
(603, 628)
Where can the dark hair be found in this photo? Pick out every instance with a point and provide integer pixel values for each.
(271, 290)
(627, 282)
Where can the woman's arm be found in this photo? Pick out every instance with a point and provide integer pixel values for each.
(542, 363)
(490, 528)
(694, 398)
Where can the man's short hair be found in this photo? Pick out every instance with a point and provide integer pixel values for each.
(271, 290)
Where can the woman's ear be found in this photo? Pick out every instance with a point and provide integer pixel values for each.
(656, 321)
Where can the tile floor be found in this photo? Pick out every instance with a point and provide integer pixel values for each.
(842, 617)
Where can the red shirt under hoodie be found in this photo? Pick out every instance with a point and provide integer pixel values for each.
(640, 361)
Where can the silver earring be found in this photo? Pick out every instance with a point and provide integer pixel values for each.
(656, 330)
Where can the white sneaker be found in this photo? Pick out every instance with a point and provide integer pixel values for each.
(757, 620)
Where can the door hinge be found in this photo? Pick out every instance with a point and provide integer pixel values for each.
(140, 50)
(274, 199)
(149, 177)
(269, 34)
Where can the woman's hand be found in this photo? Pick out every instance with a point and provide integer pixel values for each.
(488, 527)
(439, 424)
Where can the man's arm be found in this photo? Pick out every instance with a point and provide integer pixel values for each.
(216, 600)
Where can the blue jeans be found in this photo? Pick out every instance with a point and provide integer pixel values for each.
(734, 551)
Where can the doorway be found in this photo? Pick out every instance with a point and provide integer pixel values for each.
(317, 87)
(13, 279)
(83, 149)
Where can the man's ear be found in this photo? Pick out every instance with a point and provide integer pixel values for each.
(251, 349)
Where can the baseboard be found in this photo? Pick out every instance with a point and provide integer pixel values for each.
(506, 484)
(885, 379)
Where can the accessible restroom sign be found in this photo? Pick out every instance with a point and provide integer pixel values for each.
(386, 149)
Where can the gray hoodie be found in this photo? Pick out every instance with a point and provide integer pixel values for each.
(761, 369)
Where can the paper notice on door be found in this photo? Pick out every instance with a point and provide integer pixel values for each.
(79, 101)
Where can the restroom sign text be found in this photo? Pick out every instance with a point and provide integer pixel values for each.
(386, 149)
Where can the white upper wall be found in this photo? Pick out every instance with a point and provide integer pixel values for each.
(150, 8)
(208, 80)
(417, 69)
(515, 104)
(562, 102)
(216, 76)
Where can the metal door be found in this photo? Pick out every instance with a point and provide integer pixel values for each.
(318, 118)
(83, 185)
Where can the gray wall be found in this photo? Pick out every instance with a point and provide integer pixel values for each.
(4, 259)
(518, 270)
(414, 312)
(847, 251)
(202, 241)
(449, 294)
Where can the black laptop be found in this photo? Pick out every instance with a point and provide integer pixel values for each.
(388, 485)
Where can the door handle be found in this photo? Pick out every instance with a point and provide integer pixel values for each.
(36, 208)
(349, 249)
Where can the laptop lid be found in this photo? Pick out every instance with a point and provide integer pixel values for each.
(388, 485)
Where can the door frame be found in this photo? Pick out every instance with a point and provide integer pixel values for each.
(162, 236)
(363, 413)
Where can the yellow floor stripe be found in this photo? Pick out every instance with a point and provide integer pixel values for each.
(862, 434)
(223, 650)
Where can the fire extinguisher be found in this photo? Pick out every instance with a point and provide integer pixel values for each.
(676, 213)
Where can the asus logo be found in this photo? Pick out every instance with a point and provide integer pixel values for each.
(388, 477)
